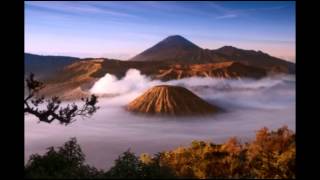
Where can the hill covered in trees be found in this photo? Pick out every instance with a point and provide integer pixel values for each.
(270, 155)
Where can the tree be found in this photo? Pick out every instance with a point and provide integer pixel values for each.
(54, 111)
(66, 162)
(153, 168)
(126, 166)
(271, 155)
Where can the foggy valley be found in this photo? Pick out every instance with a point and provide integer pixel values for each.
(159, 90)
(248, 105)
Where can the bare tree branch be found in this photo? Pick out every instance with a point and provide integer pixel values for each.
(53, 111)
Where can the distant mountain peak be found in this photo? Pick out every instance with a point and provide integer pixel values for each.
(177, 41)
(172, 46)
(175, 38)
(228, 47)
(230, 50)
(177, 49)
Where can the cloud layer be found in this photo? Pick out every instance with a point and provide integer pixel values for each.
(249, 105)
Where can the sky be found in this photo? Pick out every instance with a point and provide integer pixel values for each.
(121, 30)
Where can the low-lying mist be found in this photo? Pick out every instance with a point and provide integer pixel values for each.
(249, 104)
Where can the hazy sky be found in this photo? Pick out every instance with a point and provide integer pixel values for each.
(123, 29)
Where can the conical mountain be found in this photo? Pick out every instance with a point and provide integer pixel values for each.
(170, 100)
(177, 49)
(171, 48)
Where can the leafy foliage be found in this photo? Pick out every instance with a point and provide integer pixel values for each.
(269, 155)
(66, 162)
(128, 165)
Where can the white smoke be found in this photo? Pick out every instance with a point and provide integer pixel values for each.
(250, 105)
(132, 81)
(230, 92)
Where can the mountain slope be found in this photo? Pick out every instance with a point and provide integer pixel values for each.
(73, 81)
(165, 71)
(85, 72)
(170, 100)
(255, 58)
(176, 49)
(44, 66)
(228, 69)
(172, 48)
(173, 58)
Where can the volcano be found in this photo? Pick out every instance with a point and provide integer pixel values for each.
(175, 57)
(171, 48)
(177, 49)
(170, 100)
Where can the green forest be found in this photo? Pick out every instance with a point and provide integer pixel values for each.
(271, 154)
